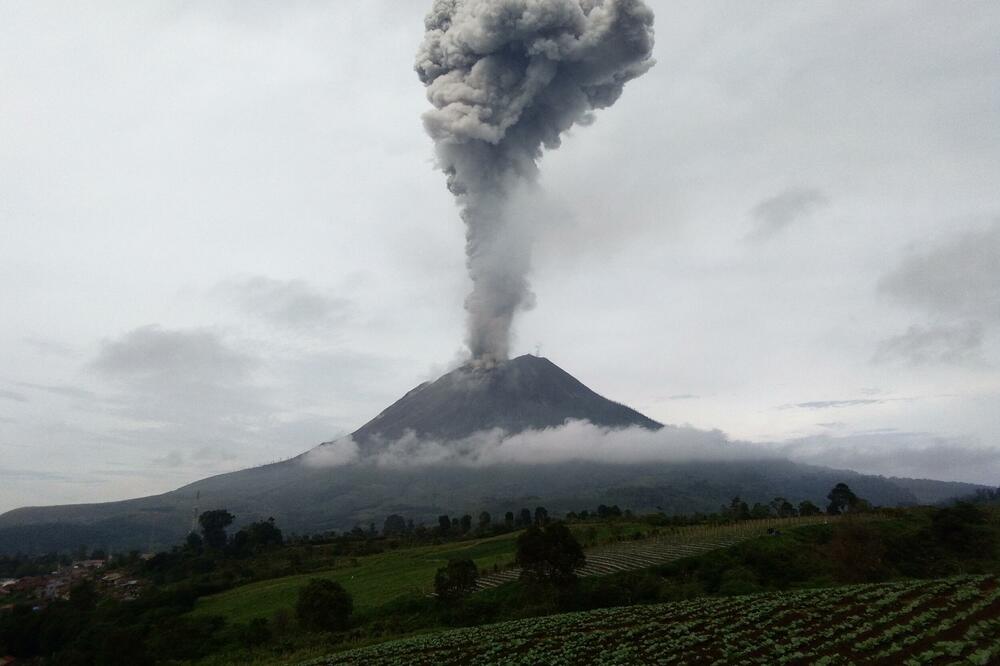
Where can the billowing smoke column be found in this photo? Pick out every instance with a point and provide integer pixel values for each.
(507, 78)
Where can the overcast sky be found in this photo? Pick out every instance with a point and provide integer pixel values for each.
(223, 239)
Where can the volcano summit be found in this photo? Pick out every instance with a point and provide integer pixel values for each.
(525, 393)
(519, 434)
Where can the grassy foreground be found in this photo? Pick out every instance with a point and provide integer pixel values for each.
(372, 580)
(954, 620)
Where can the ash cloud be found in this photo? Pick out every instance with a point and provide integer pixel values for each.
(507, 78)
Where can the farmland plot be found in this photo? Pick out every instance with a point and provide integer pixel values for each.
(678, 544)
(949, 621)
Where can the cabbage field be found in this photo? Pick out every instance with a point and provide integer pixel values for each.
(948, 621)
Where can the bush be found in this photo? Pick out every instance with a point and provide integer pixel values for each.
(324, 605)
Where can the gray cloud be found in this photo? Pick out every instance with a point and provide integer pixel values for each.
(159, 355)
(957, 276)
(937, 343)
(772, 216)
(74, 392)
(36, 475)
(292, 303)
(827, 404)
(12, 395)
(576, 440)
(50, 347)
(906, 454)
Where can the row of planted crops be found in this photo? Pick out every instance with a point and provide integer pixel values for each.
(949, 621)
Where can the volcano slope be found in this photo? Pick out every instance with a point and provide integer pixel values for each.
(522, 395)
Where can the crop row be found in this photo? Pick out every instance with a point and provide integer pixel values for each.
(954, 620)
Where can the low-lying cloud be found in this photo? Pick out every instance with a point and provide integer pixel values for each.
(574, 441)
(900, 453)
(887, 452)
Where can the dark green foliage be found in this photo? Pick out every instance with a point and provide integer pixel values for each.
(807, 508)
(549, 554)
(456, 581)
(524, 518)
(194, 541)
(857, 550)
(485, 520)
(394, 525)
(541, 516)
(842, 499)
(324, 605)
(254, 633)
(963, 528)
(213, 527)
(257, 537)
(738, 509)
(783, 508)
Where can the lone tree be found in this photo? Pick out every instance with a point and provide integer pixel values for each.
(549, 554)
(783, 508)
(444, 524)
(394, 525)
(455, 581)
(324, 605)
(842, 499)
(524, 518)
(541, 516)
(213, 527)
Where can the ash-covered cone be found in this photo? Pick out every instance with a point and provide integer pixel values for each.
(524, 393)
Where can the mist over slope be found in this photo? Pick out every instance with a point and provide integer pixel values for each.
(520, 434)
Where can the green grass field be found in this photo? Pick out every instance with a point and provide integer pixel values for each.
(948, 621)
(376, 580)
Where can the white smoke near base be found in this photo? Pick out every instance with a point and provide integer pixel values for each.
(507, 78)
(574, 441)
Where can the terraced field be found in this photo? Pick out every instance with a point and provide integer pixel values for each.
(949, 621)
(678, 544)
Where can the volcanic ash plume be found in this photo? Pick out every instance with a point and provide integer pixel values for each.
(507, 78)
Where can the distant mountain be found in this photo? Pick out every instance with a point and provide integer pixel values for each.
(526, 393)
